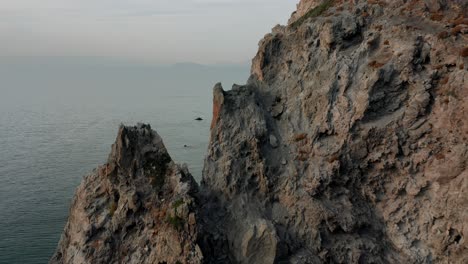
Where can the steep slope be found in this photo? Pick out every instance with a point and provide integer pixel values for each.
(349, 142)
(137, 208)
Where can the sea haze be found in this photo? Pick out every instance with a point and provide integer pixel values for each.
(58, 119)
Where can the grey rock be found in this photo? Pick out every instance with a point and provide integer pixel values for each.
(277, 110)
(273, 141)
(134, 209)
(369, 183)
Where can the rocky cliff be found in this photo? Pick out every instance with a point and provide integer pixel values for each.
(137, 208)
(348, 144)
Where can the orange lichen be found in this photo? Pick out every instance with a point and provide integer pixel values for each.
(375, 64)
(444, 80)
(440, 156)
(301, 158)
(460, 21)
(464, 52)
(413, 4)
(457, 30)
(443, 35)
(377, 2)
(437, 16)
(217, 105)
(301, 151)
(409, 27)
(333, 158)
(96, 244)
(300, 137)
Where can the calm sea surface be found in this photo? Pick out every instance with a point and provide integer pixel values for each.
(58, 121)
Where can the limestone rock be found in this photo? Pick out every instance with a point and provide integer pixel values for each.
(374, 105)
(273, 141)
(137, 208)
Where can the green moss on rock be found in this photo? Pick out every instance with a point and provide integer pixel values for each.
(314, 12)
(156, 170)
(177, 203)
(176, 222)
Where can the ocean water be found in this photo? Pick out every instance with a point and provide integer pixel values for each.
(58, 120)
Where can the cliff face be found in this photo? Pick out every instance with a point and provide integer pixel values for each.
(348, 144)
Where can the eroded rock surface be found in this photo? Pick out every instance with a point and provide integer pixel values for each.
(137, 208)
(349, 142)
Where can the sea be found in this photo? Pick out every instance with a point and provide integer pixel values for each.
(58, 119)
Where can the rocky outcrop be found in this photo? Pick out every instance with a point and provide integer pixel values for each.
(137, 208)
(348, 144)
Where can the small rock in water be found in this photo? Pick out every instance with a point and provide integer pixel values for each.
(198, 119)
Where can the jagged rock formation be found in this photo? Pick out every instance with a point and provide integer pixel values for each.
(347, 145)
(138, 208)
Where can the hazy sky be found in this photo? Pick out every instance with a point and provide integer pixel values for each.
(162, 31)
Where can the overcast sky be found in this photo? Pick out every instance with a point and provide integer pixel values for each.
(161, 31)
